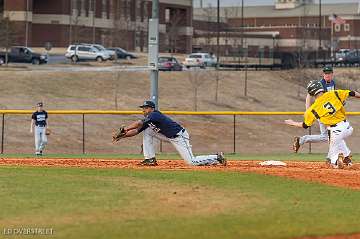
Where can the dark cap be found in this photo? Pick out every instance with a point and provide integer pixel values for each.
(40, 104)
(148, 103)
(328, 69)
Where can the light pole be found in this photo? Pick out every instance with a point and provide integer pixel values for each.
(218, 34)
(242, 28)
(273, 47)
(154, 52)
(27, 24)
(320, 26)
(93, 21)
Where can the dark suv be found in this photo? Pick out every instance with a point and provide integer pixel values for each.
(21, 54)
(352, 58)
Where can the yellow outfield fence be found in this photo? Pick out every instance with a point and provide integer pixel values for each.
(83, 113)
(120, 112)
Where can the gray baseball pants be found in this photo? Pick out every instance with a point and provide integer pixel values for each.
(40, 138)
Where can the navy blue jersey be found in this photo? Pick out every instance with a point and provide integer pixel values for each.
(161, 123)
(328, 86)
(40, 118)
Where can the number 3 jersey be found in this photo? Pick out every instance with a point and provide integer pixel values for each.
(328, 108)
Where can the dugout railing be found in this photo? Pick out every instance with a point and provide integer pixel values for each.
(83, 113)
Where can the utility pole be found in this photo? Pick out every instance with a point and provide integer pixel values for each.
(218, 34)
(320, 26)
(93, 21)
(242, 47)
(70, 20)
(242, 27)
(27, 24)
(154, 52)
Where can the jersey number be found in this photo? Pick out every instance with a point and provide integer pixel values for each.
(330, 107)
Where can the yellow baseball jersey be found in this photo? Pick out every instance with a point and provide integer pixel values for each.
(328, 108)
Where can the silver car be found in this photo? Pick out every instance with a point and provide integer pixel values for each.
(86, 53)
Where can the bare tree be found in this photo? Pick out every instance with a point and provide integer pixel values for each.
(9, 34)
(301, 77)
(196, 81)
(122, 23)
(209, 15)
(176, 20)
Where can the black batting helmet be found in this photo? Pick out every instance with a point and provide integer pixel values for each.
(315, 87)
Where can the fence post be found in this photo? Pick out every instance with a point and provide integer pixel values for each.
(2, 133)
(310, 142)
(83, 133)
(234, 133)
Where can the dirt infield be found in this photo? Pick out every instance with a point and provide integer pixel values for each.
(307, 171)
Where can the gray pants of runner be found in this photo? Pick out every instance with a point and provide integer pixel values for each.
(322, 137)
(40, 138)
(181, 144)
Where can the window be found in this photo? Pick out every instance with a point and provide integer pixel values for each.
(83, 48)
(82, 8)
(346, 27)
(167, 15)
(337, 27)
(104, 8)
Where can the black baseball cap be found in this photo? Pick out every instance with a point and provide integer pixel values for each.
(328, 69)
(148, 103)
(40, 104)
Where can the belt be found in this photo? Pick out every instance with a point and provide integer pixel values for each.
(40, 126)
(177, 134)
(334, 125)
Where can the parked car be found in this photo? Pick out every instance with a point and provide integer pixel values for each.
(111, 53)
(122, 54)
(21, 54)
(352, 58)
(200, 60)
(169, 63)
(340, 54)
(86, 53)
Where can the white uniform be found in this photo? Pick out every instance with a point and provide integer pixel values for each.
(337, 144)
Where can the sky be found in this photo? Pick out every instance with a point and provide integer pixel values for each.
(255, 2)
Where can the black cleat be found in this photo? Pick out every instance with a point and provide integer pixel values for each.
(221, 159)
(149, 162)
(348, 160)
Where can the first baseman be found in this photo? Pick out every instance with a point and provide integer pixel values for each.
(39, 124)
(329, 109)
(156, 125)
(328, 84)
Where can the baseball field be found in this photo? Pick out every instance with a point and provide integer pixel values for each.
(105, 194)
(101, 196)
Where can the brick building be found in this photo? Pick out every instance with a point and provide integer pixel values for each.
(122, 23)
(287, 26)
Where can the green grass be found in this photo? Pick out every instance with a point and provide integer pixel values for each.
(112, 203)
(292, 156)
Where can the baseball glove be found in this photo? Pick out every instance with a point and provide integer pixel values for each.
(119, 134)
(48, 132)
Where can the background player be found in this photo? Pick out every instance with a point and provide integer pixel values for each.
(39, 122)
(328, 84)
(329, 109)
(155, 126)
